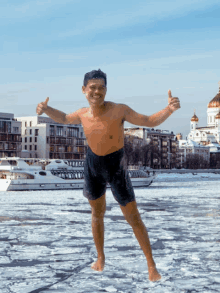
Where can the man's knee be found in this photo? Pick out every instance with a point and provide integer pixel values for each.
(131, 214)
(134, 219)
(99, 212)
(98, 207)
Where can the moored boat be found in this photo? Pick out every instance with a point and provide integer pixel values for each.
(17, 174)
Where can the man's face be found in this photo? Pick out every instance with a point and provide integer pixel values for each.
(95, 91)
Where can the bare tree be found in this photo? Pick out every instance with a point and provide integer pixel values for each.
(195, 161)
(128, 148)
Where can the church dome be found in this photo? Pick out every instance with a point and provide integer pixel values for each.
(194, 118)
(215, 102)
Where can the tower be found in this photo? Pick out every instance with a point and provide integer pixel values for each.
(194, 122)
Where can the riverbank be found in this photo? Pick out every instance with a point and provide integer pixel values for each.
(183, 171)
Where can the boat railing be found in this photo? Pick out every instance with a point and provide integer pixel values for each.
(138, 174)
(70, 174)
(79, 174)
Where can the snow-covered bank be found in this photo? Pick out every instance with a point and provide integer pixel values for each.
(185, 171)
(176, 177)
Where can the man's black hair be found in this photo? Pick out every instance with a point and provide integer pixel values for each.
(94, 74)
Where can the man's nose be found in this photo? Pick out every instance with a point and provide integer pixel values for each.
(97, 90)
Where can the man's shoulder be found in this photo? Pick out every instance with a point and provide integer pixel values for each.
(116, 105)
(82, 110)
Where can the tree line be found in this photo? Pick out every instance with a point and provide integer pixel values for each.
(145, 154)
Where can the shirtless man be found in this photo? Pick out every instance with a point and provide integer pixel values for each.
(103, 124)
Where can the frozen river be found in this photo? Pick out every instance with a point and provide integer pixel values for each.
(46, 243)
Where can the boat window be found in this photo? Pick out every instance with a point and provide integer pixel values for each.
(58, 161)
(42, 173)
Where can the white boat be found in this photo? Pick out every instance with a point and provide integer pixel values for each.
(17, 174)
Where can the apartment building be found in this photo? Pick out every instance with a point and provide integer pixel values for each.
(164, 142)
(10, 136)
(44, 138)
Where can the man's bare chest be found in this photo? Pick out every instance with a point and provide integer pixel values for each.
(101, 126)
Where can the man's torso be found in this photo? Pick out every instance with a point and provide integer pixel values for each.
(105, 133)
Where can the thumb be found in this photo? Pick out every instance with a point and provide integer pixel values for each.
(46, 101)
(169, 94)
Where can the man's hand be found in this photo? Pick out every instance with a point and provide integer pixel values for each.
(173, 102)
(41, 107)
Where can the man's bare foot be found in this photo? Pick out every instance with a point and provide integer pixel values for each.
(153, 274)
(99, 264)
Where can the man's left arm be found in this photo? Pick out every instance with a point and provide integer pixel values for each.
(156, 119)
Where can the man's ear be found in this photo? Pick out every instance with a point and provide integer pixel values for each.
(83, 89)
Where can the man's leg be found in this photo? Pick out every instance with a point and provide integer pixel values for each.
(133, 217)
(98, 210)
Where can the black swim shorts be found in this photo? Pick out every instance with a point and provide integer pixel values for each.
(100, 170)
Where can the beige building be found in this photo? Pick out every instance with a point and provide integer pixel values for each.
(10, 136)
(44, 138)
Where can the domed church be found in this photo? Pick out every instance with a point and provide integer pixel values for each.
(210, 133)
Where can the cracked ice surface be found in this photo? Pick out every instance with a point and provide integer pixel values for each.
(46, 244)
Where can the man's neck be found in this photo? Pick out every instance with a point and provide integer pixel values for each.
(97, 111)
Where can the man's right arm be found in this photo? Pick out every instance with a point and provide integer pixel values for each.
(57, 115)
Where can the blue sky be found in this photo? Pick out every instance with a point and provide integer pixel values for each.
(145, 47)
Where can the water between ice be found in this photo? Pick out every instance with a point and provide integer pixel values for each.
(46, 243)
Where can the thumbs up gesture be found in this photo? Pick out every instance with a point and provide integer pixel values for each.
(41, 107)
(173, 102)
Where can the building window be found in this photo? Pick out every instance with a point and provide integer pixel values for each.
(30, 131)
(30, 139)
(25, 132)
(59, 131)
(30, 123)
(25, 147)
(36, 132)
(5, 127)
(73, 132)
(52, 131)
(15, 129)
(35, 147)
(25, 139)
(25, 123)
(35, 139)
(30, 147)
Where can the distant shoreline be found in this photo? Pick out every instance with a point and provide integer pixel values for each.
(183, 171)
